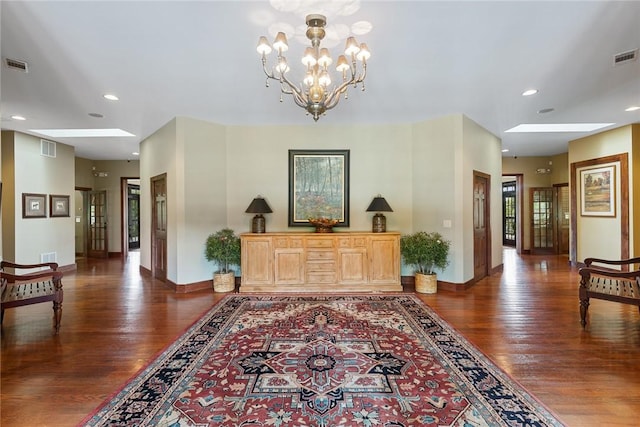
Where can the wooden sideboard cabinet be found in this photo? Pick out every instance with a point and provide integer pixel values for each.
(319, 262)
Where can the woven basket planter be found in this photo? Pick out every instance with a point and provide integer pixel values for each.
(426, 283)
(224, 282)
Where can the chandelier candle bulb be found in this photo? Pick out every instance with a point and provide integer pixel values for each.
(316, 95)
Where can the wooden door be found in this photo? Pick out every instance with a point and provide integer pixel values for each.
(481, 225)
(562, 216)
(159, 227)
(98, 238)
(542, 220)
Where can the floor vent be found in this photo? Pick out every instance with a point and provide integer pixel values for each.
(47, 148)
(14, 64)
(623, 57)
(48, 257)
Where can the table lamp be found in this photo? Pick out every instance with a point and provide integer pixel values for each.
(379, 223)
(258, 206)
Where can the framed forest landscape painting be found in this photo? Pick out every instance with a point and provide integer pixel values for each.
(318, 186)
(597, 191)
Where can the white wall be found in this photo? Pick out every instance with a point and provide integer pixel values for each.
(481, 152)
(420, 169)
(25, 239)
(196, 193)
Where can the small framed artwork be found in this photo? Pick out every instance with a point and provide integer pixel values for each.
(597, 191)
(34, 205)
(58, 205)
(318, 186)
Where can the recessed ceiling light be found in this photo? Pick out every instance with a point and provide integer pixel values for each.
(529, 92)
(505, 150)
(16, 117)
(82, 133)
(558, 127)
(111, 97)
(633, 108)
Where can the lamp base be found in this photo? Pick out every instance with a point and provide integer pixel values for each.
(258, 224)
(379, 223)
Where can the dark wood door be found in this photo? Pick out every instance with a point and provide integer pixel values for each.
(481, 225)
(159, 227)
(98, 239)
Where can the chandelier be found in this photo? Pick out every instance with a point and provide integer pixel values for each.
(315, 94)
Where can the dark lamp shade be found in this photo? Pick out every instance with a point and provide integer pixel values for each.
(259, 206)
(379, 204)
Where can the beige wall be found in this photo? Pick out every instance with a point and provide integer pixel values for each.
(600, 236)
(26, 171)
(528, 166)
(229, 166)
(104, 175)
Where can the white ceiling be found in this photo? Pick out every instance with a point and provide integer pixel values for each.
(429, 59)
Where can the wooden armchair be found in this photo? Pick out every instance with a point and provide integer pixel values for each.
(31, 288)
(609, 284)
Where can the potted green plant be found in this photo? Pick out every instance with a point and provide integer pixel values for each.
(223, 248)
(425, 252)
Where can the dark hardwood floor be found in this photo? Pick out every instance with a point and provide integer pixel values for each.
(525, 319)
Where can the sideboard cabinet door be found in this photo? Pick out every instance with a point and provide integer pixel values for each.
(384, 256)
(257, 261)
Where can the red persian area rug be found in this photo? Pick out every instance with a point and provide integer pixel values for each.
(321, 361)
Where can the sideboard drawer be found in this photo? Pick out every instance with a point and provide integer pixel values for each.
(329, 277)
(322, 266)
(320, 255)
(320, 243)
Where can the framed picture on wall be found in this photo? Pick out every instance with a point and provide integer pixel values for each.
(34, 205)
(598, 191)
(318, 186)
(58, 205)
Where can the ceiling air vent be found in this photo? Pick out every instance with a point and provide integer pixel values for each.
(14, 64)
(47, 148)
(623, 57)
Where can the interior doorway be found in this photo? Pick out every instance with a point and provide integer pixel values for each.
(130, 214)
(516, 213)
(509, 214)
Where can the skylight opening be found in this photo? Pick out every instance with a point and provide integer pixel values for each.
(82, 133)
(558, 127)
